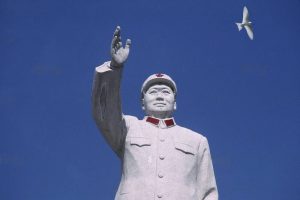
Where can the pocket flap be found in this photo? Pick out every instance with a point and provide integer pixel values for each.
(140, 141)
(185, 148)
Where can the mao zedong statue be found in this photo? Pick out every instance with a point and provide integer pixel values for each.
(160, 159)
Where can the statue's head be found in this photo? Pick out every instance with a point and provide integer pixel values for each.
(159, 96)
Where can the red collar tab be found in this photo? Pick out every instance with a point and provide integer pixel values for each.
(152, 120)
(168, 122)
(159, 75)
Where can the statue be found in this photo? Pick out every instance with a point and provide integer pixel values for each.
(160, 159)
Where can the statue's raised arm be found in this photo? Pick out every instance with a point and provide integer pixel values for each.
(119, 54)
(106, 101)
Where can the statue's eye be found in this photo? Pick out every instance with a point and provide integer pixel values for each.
(166, 92)
(152, 92)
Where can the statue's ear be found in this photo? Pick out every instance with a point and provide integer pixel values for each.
(143, 104)
(175, 106)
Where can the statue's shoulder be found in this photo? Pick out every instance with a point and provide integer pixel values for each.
(130, 120)
(190, 136)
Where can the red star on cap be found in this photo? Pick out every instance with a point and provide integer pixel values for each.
(159, 75)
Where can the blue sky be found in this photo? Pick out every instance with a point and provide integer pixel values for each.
(243, 95)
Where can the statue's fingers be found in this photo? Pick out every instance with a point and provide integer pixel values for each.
(119, 45)
(112, 51)
(116, 37)
(117, 31)
(128, 44)
(114, 42)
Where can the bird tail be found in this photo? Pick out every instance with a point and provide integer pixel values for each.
(239, 25)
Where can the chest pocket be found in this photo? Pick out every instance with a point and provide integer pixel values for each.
(185, 148)
(140, 141)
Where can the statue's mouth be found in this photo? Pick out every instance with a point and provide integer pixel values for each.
(159, 104)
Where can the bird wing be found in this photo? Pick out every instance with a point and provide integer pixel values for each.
(245, 15)
(249, 31)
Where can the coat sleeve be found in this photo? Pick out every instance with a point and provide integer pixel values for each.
(106, 106)
(207, 188)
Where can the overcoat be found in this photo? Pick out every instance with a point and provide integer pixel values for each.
(160, 159)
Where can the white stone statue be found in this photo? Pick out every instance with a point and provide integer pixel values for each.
(160, 159)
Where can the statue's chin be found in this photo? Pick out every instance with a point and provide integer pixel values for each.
(160, 114)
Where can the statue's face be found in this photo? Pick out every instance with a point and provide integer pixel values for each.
(159, 101)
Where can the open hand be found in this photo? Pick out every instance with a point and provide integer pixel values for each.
(119, 54)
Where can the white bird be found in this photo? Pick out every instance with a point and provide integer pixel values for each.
(246, 23)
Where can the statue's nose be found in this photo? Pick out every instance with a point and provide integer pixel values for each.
(159, 96)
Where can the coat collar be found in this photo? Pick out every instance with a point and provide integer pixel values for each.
(167, 122)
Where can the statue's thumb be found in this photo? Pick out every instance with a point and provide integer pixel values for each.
(128, 43)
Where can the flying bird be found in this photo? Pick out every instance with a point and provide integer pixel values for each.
(246, 23)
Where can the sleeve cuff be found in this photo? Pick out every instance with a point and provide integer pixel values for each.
(105, 67)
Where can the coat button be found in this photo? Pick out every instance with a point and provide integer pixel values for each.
(162, 139)
(160, 196)
(160, 175)
(161, 157)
